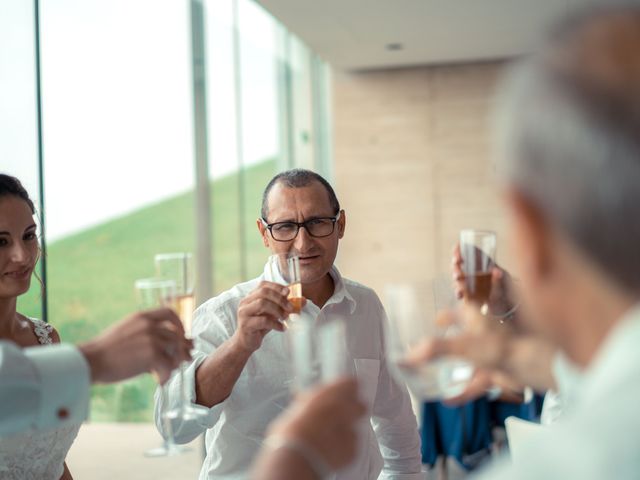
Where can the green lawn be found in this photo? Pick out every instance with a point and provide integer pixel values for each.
(90, 274)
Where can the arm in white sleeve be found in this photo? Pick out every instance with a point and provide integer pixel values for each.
(396, 427)
(42, 387)
(210, 330)
(185, 430)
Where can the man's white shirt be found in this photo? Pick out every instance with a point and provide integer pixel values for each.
(235, 428)
(42, 388)
(598, 435)
(568, 377)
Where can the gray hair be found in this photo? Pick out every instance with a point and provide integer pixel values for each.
(298, 178)
(569, 138)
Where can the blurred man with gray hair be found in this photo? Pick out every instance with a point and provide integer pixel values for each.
(569, 148)
(570, 152)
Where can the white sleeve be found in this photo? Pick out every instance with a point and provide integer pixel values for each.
(211, 328)
(395, 424)
(42, 387)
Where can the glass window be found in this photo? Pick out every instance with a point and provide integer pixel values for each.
(118, 148)
(263, 114)
(18, 114)
(224, 165)
(118, 165)
(260, 127)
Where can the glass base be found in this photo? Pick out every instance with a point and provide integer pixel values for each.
(190, 412)
(169, 447)
(166, 451)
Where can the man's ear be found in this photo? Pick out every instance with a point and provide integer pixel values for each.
(342, 224)
(531, 237)
(264, 232)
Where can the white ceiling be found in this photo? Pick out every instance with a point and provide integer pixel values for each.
(353, 34)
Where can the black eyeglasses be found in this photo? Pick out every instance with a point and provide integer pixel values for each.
(316, 227)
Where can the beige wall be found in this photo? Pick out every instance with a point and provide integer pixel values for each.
(412, 167)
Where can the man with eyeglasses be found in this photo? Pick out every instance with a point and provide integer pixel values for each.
(241, 371)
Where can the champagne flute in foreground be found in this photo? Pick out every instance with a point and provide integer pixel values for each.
(178, 267)
(285, 269)
(318, 352)
(413, 316)
(153, 293)
(319, 356)
(478, 252)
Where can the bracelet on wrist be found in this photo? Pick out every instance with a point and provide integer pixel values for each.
(508, 316)
(311, 457)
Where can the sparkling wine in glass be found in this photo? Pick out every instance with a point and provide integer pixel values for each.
(413, 317)
(285, 269)
(478, 252)
(179, 268)
(153, 293)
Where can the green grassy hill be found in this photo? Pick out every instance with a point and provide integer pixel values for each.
(90, 274)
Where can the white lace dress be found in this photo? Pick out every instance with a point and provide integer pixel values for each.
(36, 455)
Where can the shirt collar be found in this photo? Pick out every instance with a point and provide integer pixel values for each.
(340, 292)
(615, 356)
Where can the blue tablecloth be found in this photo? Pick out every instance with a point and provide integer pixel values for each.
(465, 432)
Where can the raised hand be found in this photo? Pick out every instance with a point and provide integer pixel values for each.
(502, 299)
(323, 421)
(502, 357)
(151, 340)
(260, 312)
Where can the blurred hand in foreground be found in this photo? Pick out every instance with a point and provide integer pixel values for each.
(151, 340)
(317, 432)
(502, 357)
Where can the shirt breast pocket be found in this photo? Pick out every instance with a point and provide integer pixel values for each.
(367, 370)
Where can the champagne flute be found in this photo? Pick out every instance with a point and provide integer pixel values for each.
(178, 267)
(284, 268)
(153, 293)
(318, 352)
(414, 314)
(478, 252)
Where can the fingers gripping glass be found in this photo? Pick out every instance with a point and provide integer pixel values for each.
(316, 227)
(417, 311)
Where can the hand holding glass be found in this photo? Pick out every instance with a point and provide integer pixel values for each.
(414, 311)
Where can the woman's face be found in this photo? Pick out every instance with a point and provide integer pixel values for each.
(18, 246)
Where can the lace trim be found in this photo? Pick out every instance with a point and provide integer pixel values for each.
(42, 330)
(35, 454)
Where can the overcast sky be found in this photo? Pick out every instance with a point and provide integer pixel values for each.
(117, 111)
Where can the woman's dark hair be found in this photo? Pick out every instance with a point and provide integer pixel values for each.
(11, 186)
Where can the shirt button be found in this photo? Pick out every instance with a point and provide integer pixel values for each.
(63, 413)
